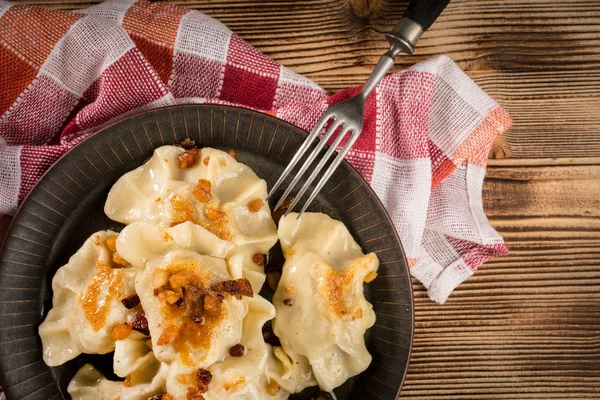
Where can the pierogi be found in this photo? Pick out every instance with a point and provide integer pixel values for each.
(175, 294)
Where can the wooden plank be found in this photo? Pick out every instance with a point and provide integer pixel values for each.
(552, 191)
(525, 326)
(538, 58)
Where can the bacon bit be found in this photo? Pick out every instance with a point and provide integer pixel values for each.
(273, 387)
(230, 287)
(290, 290)
(127, 381)
(198, 319)
(212, 305)
(206, 160)
(232, 153)
(121, 331)
(160, 277)
(117, 259)
(234, 287)
(166, 237)
(288, 302)
(213, 213)
(370, 276)
(188, 143)
(193, 298)
(188, 158)
(131, 301)
(290, 252)
(157, 200)
(140, 323)
(111, 243)
(239, 350)
(203, 377)
(193, 394)
(259, 259)
(245, 287)
(223, 162)
(255, 205)
(273, 278)
(170, 334)
(202, 191)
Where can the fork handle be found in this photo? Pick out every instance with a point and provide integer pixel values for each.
(403, 38)
(420, 15)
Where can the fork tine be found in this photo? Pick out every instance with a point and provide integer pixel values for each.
(336, 162)
(308, 161)
(305, 145)
(318, 168)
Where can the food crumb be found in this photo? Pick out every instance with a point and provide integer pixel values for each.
(288, 302)
(370, 276)
(157, 200)
(166, 237)
(140, 323)
(202, 191)
(131, 301)
(188, 143)
(259, 259)
(188, 158)
(273, 387)
(203, 378)
(206, 160)
(290, 252)
(223, 162)
(290, 290)
(121, 331)
(239, 350)
(232, 153)
(255, 205)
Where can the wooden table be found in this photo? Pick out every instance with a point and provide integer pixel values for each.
(526, 326)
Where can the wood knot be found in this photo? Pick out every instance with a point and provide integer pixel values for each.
(362, 8)
(497, 153)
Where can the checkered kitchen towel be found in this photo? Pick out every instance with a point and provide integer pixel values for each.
(428, 130)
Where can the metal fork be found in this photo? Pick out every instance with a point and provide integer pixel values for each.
(348, 114)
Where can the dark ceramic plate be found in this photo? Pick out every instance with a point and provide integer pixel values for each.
(66, 207)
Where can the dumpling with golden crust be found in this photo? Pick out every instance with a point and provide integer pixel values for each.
(322, 313)
(212, 190)
(87, 294)
(242, 375)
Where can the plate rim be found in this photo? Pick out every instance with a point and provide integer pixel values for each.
(293, 127)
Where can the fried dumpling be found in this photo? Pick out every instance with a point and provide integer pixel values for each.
(212, 190)
(87, 294)
(322, 313)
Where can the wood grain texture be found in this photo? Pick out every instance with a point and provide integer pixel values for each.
(526, 326)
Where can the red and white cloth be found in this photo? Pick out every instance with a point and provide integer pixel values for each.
(427, 133)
